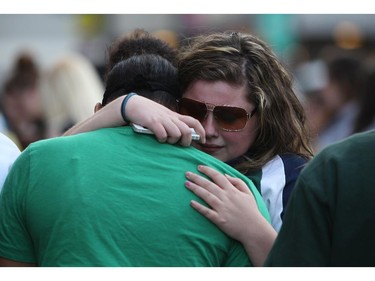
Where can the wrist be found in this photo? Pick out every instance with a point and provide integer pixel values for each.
(259, 241)
(123, 106)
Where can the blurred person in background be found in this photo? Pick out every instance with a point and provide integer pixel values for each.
(69, 90)
(3, 123)
(338, 101)
(21, 102)
(365, 119)
(311, 79)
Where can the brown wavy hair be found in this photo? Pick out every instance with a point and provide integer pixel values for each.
(239, 58)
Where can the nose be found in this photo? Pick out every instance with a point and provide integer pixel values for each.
(209, 125)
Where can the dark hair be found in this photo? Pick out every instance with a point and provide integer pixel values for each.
(137, 43)
(346, 72)
(25, 74)
(148, 75)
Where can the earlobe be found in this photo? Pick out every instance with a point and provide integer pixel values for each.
(97, 107)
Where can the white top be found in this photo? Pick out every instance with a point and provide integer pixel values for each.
(8, 154)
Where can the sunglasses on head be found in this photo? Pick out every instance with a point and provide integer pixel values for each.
(229, 118)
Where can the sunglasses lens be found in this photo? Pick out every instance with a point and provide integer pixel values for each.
(230, 118)
(193, 108)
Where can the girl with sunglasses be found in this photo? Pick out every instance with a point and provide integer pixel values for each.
(236, 87)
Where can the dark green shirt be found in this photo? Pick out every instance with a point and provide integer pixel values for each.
(330, 219)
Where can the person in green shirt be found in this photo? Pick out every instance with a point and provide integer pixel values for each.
(113, 197)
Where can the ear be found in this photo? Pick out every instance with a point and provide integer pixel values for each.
(97, 107)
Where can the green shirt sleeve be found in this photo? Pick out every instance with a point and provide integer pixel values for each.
(15, 241)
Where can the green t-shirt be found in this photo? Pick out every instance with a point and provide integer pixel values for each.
(330, 219)
(111, 198)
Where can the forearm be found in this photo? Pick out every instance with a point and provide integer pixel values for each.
(167, 125)
(258, 244)
(108, 116)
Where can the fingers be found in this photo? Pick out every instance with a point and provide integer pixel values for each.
(224, 181)
(167, 125)
(159, 131)
(207, 212)
(186, 139)
(178, 131)
(195, 124)
(215, 176)
(238, 183)
(203, 193)
(168, 131)
(185, 133)
(173, 131)
(184, 124)
(220, 184)
(204, 183)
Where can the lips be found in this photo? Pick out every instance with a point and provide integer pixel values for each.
(210, 148)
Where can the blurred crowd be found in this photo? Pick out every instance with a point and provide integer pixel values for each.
(43, 103)
(338, 92)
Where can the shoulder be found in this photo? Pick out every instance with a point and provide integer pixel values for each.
(360, 142)
(292, 163)
(350, 152)
(87, 138)
(285, 163)
(359, 146)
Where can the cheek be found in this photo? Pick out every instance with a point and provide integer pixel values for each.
(238, 143)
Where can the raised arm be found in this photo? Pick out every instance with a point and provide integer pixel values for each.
(108, 116)
(233, 210)
(167, 125)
